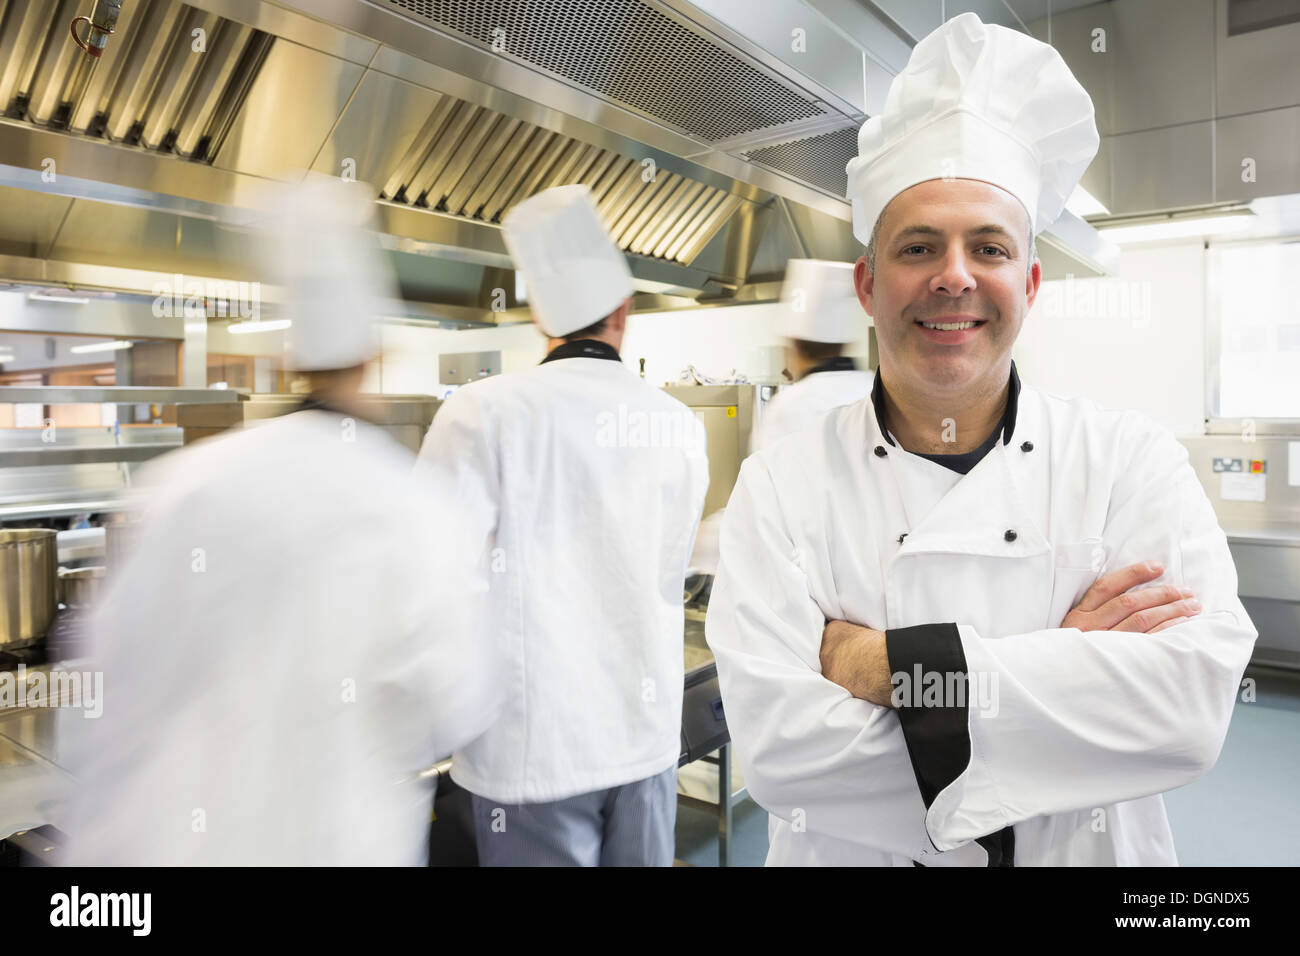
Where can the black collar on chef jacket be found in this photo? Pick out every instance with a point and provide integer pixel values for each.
(583, 348)
(840, 363)
(1006, 427)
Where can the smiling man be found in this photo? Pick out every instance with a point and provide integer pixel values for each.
(963, 622)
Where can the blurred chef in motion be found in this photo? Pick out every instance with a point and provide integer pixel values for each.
(821, 314)
(584, 485)
(284, 650)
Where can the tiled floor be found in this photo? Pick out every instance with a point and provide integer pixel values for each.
(1243, 812)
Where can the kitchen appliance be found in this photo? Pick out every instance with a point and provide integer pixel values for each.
(28, 584)
(80, 586)
(730, 414)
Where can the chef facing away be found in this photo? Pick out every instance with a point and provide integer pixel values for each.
(821, 316)
(963, 622)
(285, 649)
(583, 488)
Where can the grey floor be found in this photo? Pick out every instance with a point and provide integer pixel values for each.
(1242, 813)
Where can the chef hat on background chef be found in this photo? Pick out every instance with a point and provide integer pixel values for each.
(573, 272)
(982, 102)
(819, 302)
(319, 251)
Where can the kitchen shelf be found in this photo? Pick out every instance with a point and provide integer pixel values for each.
(115, 395)
(74, 455)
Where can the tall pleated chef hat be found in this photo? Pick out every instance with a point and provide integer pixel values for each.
(573, 272)
(982, 102)
(335, 282)
(819, 302)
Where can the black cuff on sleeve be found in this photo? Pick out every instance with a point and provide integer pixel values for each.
(935, 725)
(938, 741)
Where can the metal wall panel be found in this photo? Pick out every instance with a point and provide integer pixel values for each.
(278, 133)
(1272, 140)
(1162, 168)
(1256, 71)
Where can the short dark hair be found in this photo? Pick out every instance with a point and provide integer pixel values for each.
(590, 332)
(817, 351)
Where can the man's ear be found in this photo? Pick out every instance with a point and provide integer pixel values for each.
(865, 283)
(1033, 280)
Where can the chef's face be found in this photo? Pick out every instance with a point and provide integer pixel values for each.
(948, 252)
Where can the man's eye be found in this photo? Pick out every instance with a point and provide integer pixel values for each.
(992, 250)
(908, 250)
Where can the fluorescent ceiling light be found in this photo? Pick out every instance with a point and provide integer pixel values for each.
(273, 325)
(101, 347)
(1083, 203)
(51, 297)
(1176, 228)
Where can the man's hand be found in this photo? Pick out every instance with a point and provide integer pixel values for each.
(1110, 605)
(854, 657)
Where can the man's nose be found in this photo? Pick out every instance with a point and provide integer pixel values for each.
(954, 277)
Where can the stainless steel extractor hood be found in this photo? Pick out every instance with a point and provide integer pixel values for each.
(715, 147)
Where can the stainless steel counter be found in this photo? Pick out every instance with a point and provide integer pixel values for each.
(34, 783)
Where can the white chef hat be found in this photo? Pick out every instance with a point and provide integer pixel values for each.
(573, 272)
(982, 102)
(819, 303)
(332, 276)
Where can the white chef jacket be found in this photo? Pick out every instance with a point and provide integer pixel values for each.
(584, 486)
(282, 654)
(1087, 729)
(799, 405)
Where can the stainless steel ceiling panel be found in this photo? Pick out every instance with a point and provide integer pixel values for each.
(159, 241)
(277, 132)
(317, 27)
(377, 129)
(30, 221)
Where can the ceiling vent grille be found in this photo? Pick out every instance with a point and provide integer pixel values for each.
(817, 160)
(150, 89)
(475, 163)
(627, 51)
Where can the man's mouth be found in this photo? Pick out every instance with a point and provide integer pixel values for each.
(950, 326)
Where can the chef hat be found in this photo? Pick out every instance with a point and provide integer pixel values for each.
(977, 102)
(819, 302)
(574, 274)
(333, 278)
